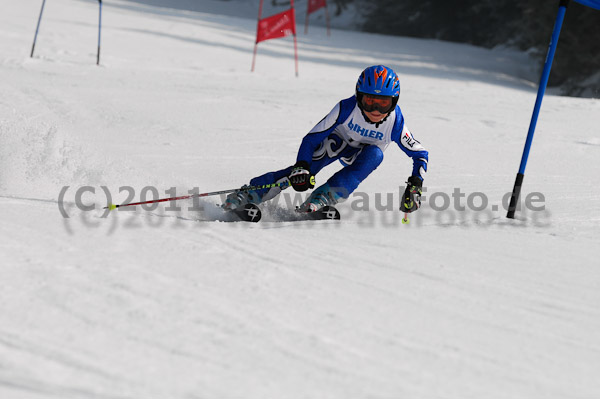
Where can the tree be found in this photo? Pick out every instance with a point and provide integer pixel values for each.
(526, 25)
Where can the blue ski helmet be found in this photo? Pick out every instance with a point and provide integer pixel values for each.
(378, 80)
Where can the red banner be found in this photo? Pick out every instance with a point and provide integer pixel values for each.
(278, 25)
(314, 5)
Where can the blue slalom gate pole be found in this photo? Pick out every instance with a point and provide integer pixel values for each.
(37, 28)
(562, 9)
(99, 32)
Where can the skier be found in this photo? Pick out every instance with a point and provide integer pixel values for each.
(355, 132)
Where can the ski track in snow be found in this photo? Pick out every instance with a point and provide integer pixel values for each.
(163, 304)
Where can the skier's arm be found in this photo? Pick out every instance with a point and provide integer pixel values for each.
(324, 128)
(413, 148)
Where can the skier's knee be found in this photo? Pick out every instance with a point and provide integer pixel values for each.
(372, 156)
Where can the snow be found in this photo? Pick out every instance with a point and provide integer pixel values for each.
(166, 304)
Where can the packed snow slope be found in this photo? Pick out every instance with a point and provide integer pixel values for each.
(165, 303)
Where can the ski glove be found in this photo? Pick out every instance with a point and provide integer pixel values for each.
(300, 177)
(411, 200)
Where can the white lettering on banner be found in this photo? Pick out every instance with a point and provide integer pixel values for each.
(277, 26)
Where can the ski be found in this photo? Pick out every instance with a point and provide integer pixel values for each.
(248, 213)
(325, 213)
(252, 213)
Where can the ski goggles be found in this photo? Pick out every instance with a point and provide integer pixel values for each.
(371, 103)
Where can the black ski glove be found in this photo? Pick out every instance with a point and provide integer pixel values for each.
(300, 177)
(411, 201)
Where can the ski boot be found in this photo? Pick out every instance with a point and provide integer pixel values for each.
(320, 198)
(240, 198)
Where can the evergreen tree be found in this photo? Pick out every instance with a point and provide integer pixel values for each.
(526, 25)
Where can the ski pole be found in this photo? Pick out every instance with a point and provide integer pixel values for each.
(99, 32)
(251, 188)
(37, 28)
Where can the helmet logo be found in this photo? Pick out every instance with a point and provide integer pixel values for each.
(377, 91)
(380, 74)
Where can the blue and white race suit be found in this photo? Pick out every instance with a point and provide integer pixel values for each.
(346, 135)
